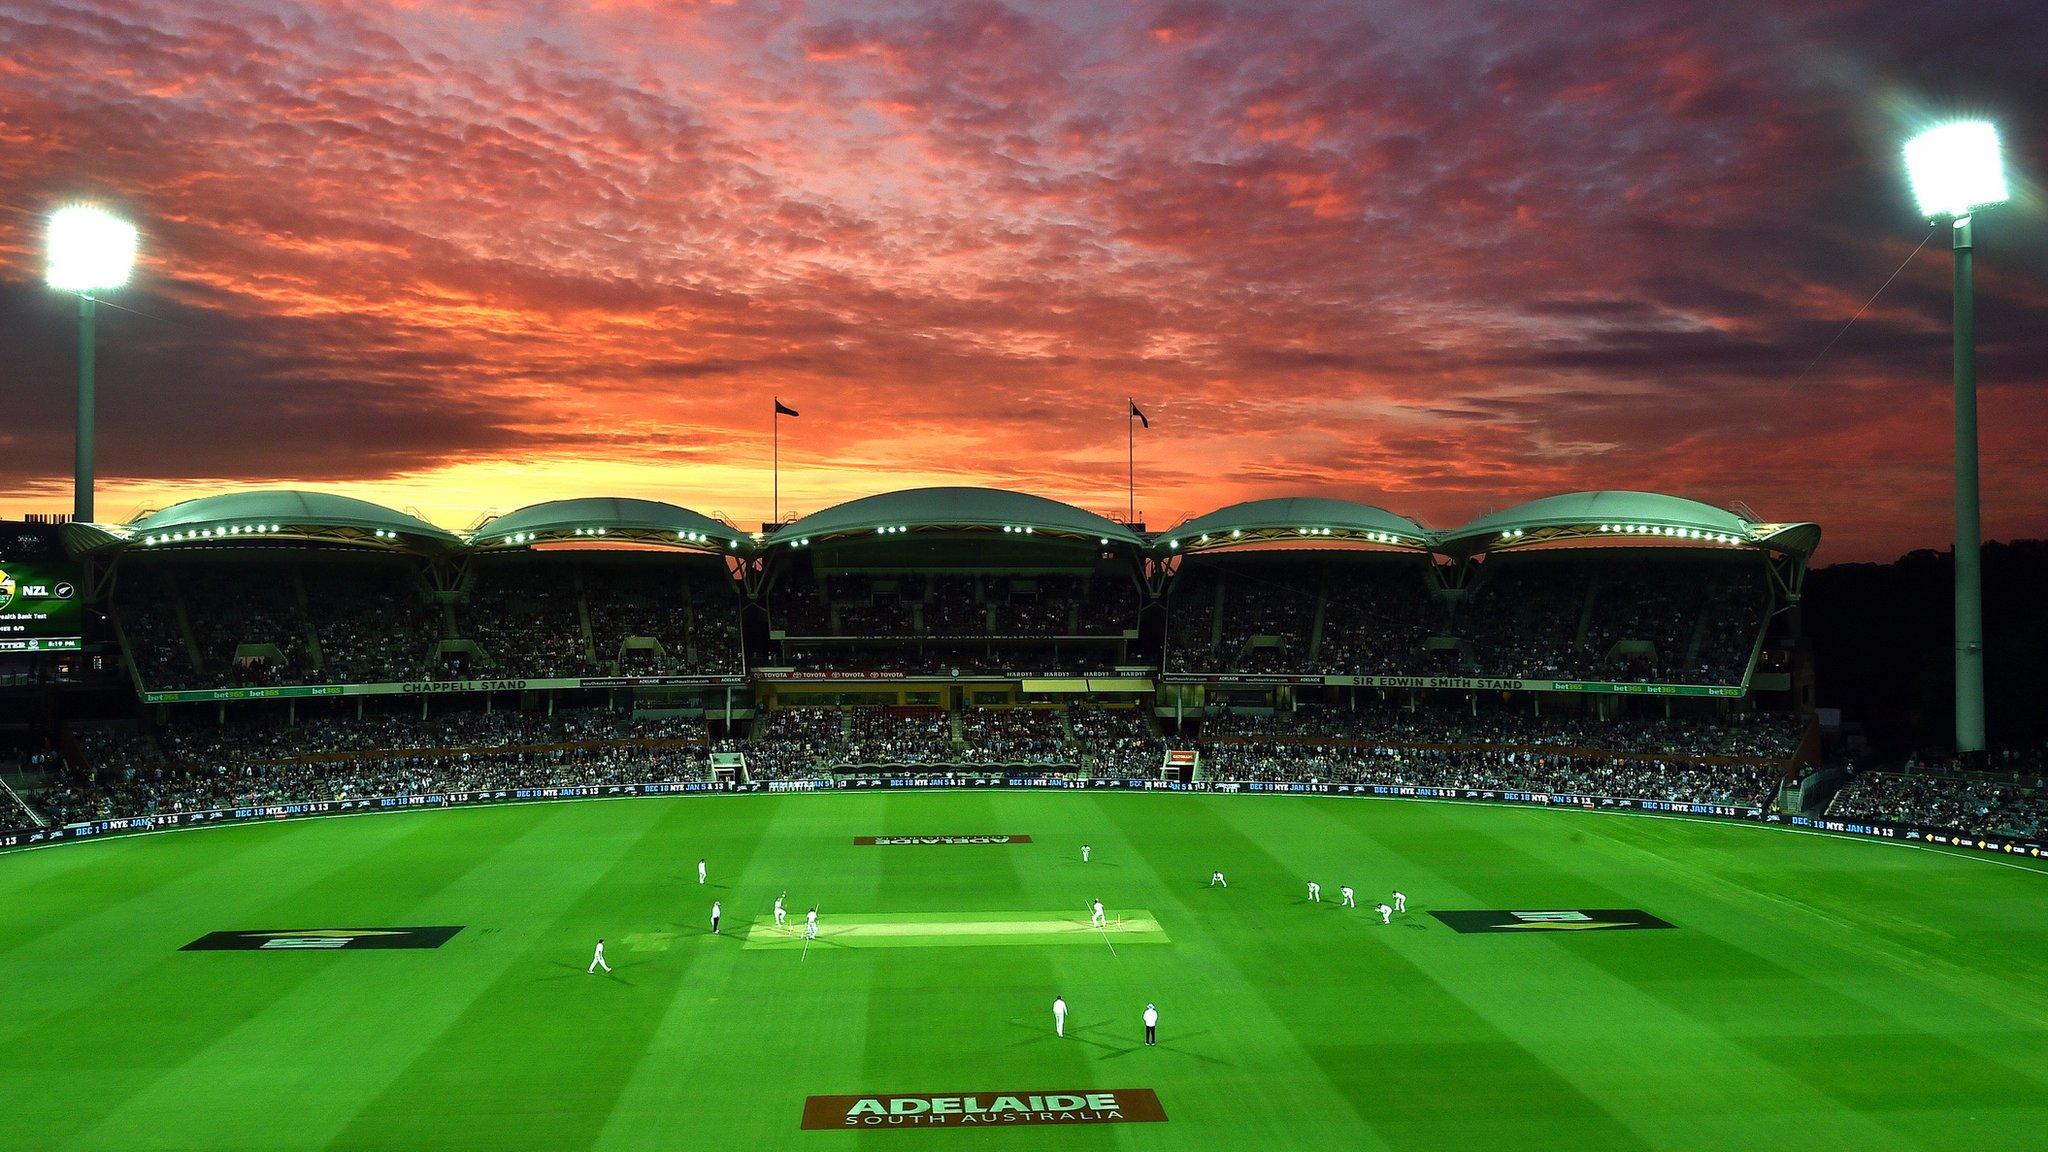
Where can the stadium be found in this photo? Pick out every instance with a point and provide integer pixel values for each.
(948, 720)
(569, 582)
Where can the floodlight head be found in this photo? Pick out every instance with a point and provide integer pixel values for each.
(1956, 168)
(90, 249)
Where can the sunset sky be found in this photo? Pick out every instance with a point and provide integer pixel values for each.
(460, 257)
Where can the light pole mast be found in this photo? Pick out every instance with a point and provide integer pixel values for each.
(90, 251)
(1969, 536)
(81, 472)
(1955, 170)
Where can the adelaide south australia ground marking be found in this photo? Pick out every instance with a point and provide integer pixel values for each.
(984, 1109)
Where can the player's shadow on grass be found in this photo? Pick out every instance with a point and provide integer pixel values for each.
(1043, 1035)
(1175, 1049)
(569, 970)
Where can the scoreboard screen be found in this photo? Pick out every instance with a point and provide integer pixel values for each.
(41, 606)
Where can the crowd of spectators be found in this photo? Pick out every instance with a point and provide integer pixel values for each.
(1376, 622)
(955, 605)
(891, 735)
(691, 613)
(122, 770)
(1116, 742)
(945, 657)
(1974, 803)
(374, 623)
(1015, 736)
(162, 787)
(1663, 619)
(791, 743)
(1739, 759)
(260, 623)
(1495, 768)
(522, 611)
(246, 743)
(1763, 737)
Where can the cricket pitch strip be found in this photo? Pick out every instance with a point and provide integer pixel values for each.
(958, 929)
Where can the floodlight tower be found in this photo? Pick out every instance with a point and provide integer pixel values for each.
(1955, 170)
(91, 250)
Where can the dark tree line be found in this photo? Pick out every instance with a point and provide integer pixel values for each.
(1882, 637)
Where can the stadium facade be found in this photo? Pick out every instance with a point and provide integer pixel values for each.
(944, 596)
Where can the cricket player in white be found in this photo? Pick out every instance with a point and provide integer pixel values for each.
(1084, 853)
(1098, 920)
(1151, 1024)
(811, 924)
(1059, 1016)
(780, 915)
(1400, 901)
(597, 961)
(1315, 892)
(1350, 900)
(700, 871)
(1386, 914)
(1216, 880)
(714, 917)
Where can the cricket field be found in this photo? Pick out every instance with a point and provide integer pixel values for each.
(1596, 981)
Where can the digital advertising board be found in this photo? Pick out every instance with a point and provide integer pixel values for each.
(41, 606)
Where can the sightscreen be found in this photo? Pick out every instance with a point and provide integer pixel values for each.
(41, 607)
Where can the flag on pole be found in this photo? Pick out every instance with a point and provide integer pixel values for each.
(782, 409)
(1134, 412)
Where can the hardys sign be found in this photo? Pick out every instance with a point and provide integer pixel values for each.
(984, 1109)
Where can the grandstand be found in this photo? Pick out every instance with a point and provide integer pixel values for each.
(954, 582)
(1616, 636)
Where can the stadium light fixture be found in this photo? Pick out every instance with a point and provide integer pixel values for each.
(1956, 169)
(90, 250)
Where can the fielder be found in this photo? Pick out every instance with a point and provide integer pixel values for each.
(1350, 898)
(1059, 1016)
(597, 961)
(1151, 1024)
(1400, 901)
(780, 915)
(1216, 880)
(700, 871)
(1315, 892)
(1098, 920)
(1084, 853)
(1386, 914)
(714, 917)
(811, 924)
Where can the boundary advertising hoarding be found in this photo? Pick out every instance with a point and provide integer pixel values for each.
(1459, 683)
(170, 820)
(431, 687)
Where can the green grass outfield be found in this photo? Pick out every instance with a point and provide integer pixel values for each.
(1814, 992)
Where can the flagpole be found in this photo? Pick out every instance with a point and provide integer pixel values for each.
(1130, 462)
(775, 422)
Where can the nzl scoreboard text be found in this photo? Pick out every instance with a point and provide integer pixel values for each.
(40, 607)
